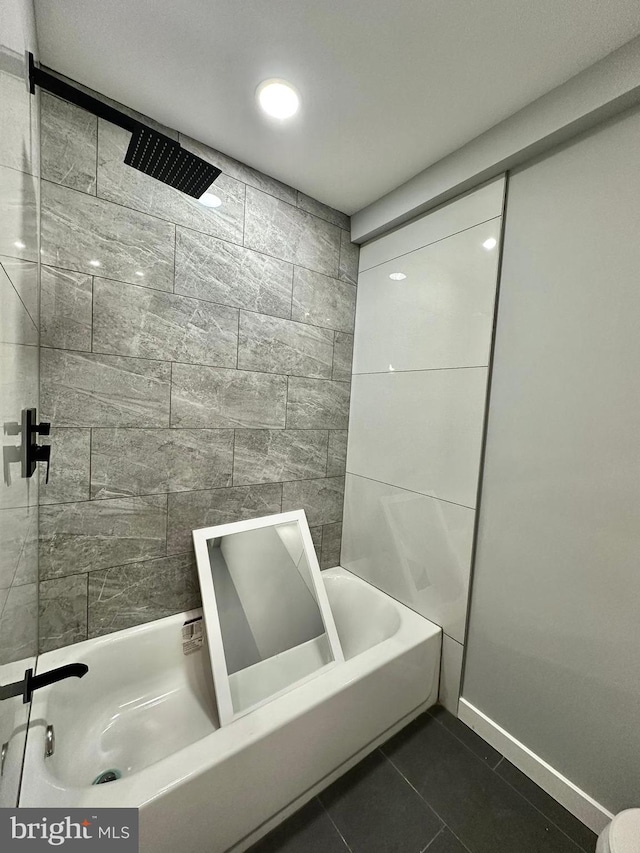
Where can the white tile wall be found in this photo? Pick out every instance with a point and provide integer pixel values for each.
(421, 430)
(457, 215)
(418, 393)
(413, 547)
(439, 316)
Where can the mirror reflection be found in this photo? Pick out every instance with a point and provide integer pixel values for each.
(272, 629)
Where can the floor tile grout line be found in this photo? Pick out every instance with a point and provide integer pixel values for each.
(540, 812)
(465, 745)
(425, 801)
(494, 770)
(437, 835)
(333, 823)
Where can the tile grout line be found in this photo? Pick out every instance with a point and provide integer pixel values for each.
(198, 364)
(424, 800)
(161, 291)
(157, 218)
(333, 823)
(462, 743)
(413, 492)
(578, 846)
(494, 769)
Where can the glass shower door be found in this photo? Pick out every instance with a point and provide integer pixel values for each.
(19, 378)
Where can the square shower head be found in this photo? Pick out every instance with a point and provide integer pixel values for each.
(165, 159)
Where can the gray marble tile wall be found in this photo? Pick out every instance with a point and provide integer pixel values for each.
(196, 367)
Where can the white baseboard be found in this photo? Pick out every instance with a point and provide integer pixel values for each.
(580, 804)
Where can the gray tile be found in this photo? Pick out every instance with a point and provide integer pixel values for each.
(331, 543)
(131, 595)
(19, 624)
(316, 538)
(376, 811)
(70, 466)
(83, 389)
(320, 499)
(65, 309)
(349, 258)
(337, 461)
(287, 232)
(274, 455)
(189, 511)
(69, 140)
(14, 528)
(138, 321)
(150, 461)
(466, 736)
(309, 830)
(485, 813)
(125, 185)
(215, 397)
(311, 205)
(342, 357)
(222, 272)
(317, 404)
(282, 346)
(126, 245)
(18, 214)
(549, 807)
(323, 301)
(24, 278)
(239, 171)
(62, 612)
(27, 568)
(16, 324)
(84, 537)
(19, 123)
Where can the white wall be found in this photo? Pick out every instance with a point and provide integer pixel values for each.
(421, 355)
(553, 650)
(601, 91)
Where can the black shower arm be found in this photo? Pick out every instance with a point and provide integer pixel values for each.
(53, 84)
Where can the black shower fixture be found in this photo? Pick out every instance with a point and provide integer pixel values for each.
(149, 151)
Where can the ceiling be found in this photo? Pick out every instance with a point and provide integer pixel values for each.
(387, 86)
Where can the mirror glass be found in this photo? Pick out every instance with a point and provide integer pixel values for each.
(268, 621)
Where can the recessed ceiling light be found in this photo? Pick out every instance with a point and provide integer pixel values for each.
(210, 200)
(95, 263)
(19, 244)
(139, 273)
(397, 276)
(491, 243)
(278, 98)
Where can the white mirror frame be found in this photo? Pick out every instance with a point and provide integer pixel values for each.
(201, 537)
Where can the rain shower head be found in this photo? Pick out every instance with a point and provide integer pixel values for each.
(164, 159)
(149, 151)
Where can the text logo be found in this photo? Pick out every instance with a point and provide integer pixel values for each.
(35, 830)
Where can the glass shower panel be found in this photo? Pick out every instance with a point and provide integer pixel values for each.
(19, 379)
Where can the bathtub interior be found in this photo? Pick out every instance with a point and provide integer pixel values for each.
(144, 699)
(141, 701)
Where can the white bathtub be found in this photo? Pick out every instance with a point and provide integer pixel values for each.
(148, 711)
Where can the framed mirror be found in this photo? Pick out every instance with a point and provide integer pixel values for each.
(267, 617)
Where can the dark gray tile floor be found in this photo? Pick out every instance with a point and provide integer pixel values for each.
(437, 787)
